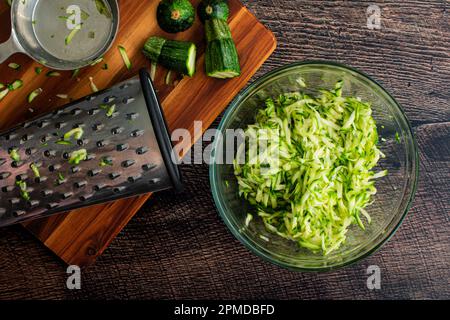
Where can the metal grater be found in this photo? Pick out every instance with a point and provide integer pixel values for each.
(129, 152)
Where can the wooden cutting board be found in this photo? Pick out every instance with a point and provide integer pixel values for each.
(79, 237)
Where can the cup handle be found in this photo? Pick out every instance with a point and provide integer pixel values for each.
(7, 49)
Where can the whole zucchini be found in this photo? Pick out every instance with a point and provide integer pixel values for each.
(174, 55)
(221, 57)
(213, 9)
(175, 15)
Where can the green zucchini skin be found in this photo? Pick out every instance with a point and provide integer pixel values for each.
(175, 55)
(175, 15)
(221, 57)
(213, 9)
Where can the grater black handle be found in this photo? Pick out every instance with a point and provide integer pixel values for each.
(161, 129)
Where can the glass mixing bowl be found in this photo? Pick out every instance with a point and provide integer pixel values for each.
(395, 192)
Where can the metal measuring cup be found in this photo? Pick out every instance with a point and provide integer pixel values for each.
(23, 38)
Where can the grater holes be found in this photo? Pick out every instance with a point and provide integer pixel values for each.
(60, 125)
(115, 114)
(124, 86)
(54, 167)
(4, 175)
(93, 112)
(19, 213)
(100, 187)
(86, 197)
(43, 124)
(27, 124)
(33, 203)
(117, 130)
(75, 169)
(61, 181)
(154, 181)
(128, 163)
(40, 179)
(46, 193)
(7, 189)
(122, 147)
(46, 138)
(21, 177)
(132, 116)
(142, 150)
(148, 166)
(76, 111)
(135, 178)
(58, 112)
(114, 175)
(51, 206)
(119, 189)
(90, 157)
(30, 151)
(82, 142)
(50, 153)
(128, 100)
(98, 126)
(10, 136)
(2, 161)
(109, 99)
(94, 172)
(66, 156)
(80, 184)
(137, 133)
(17, 164)
(102, 143)
(14, 201)
(27, 137)
(66, 195)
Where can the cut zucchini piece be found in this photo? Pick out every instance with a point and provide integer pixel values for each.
(153, 67)
(77, 156)
(125, 58)
(4, 93)
(92, 84)
(35, 170)
(52, 74)
(14, 66)
(72, 34)
(15, 85)
(179, 56)
(221, 57)
(14, 155)
(34, 94)
(76, 133)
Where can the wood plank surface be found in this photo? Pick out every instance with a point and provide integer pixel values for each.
(81, 236)
(179, 248)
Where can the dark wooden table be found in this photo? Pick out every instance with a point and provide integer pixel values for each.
(177, 247)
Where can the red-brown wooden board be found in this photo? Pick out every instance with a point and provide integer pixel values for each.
(79, 237)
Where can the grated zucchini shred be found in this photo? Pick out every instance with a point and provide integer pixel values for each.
(321, 176)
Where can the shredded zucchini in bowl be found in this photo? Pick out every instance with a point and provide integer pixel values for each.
(315, 175)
